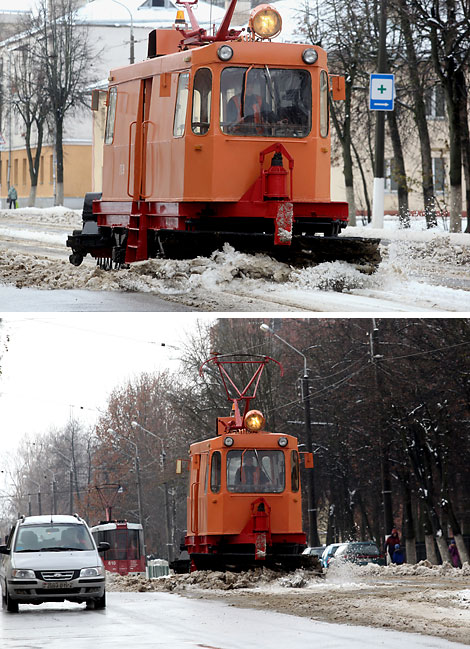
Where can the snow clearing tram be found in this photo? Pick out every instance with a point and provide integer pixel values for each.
(126, 552)
(244, 501)
(217, 139)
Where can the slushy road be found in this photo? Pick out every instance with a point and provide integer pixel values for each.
(161, 620)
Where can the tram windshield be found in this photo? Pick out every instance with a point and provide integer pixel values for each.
(124, 543)
(255, 470)
(266, 102)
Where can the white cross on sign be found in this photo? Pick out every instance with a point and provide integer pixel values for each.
(382, 91)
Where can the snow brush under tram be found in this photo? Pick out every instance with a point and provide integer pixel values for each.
(218, 139)
(244, 505)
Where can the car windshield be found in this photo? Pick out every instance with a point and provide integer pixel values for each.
(265, 102)
(53, 538)
(360, 548)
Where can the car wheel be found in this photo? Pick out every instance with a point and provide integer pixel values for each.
(11, 605)
(101, 602)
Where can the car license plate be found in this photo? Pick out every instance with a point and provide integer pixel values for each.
(58, 584)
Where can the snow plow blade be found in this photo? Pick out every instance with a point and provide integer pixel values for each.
(304, 250)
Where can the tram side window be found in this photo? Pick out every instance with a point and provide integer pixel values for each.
(324, 104)
(295, 474)
(216, 464)
(181, 104)
(202, 97)
(261, 471)
(111, 115)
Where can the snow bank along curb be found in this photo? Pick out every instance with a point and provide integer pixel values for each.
(266, 578)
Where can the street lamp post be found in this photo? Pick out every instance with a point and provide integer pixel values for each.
(138, 481)
(39, 497)
(70, 479)
(131, 40)
(313, 538)
(169, 544)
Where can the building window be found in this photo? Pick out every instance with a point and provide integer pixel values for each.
(41, 171)
(435, 102)
(391, 176)
(24, 171)
(51, 169)
(15, 171)
(439, 174)
(181, 104)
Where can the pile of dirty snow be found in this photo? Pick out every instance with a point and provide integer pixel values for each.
(212, 580)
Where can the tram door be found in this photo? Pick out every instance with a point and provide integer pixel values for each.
(139, 149)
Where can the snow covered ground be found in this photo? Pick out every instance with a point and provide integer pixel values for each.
(433, 601)
(421, 271)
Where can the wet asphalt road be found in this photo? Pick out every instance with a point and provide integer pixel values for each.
(28, 299)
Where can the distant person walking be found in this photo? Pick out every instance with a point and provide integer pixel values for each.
(398, 556)
(454, 554)
(391, 542)
(12, 197)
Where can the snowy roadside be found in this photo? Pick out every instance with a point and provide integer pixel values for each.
(425, 599)
(421, 271)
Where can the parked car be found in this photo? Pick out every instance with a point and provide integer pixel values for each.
(328, 554)
(360, 553)
(51, 559)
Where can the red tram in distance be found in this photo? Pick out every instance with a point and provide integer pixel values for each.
(126, 553)
(244, 502)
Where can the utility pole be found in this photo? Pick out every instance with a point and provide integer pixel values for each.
(384, 463)
(379, 176)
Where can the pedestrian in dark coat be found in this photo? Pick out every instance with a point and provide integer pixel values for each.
(12, 197)
(454, 554)
(398, 556)
(391, 542)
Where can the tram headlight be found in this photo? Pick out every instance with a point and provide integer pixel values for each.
(228, 441)
(283, 441)
(309, 56)
(225, 52)
(265, 21)
(254, 420)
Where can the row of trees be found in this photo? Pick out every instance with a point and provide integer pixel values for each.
(428, 49)
(48, 70)
(389, 427)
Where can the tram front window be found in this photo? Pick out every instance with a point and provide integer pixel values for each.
(255, 471)
(266, 102)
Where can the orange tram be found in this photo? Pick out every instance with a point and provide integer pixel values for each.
(213, 139)
(244, 502)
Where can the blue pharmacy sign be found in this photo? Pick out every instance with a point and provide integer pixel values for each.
(382, 91)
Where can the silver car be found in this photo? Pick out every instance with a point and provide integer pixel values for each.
(51, 559)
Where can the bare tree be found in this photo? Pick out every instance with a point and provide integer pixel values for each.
(65, 56)
(31, 101)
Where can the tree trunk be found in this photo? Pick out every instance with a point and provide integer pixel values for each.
(443, 547)
(455, 154)
(465, 152)
(399, 169)
(420, 118)
(59, 195)
(408, 524)
(431, 554)
(364, 184)
(32, 196)
(462, 548)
